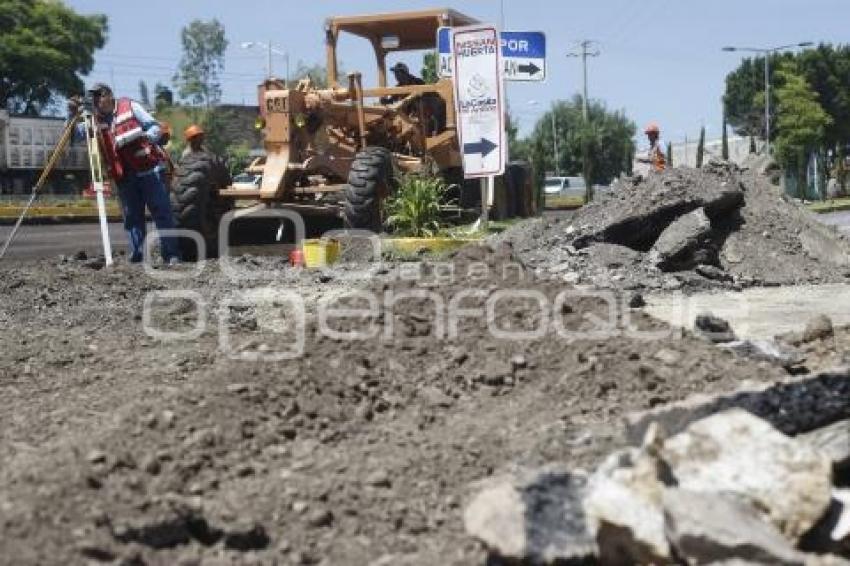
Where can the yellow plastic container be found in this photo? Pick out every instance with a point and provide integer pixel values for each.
(320, 253)
(432, 245)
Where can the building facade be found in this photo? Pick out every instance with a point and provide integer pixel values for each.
(26, 143)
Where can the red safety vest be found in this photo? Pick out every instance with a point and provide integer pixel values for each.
(126, 145)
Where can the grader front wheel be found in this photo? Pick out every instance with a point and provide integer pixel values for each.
(370, 181)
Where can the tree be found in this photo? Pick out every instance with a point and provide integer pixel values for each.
(825, 68)
(669, 154)
(608, 139)
(429, 68)
(144, 94)
(197, 77)
(162, 96)
(744, 96)
(238, 157)
(701, 147)
(318, 74)
(801, 121)
(44, 47)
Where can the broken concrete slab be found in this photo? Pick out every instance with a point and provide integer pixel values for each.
(712, 272)
(818, 328)
(711, 527)
(637, 223)
(532, 515)
(677, 245)
(833, 441)
(623, 507)
(613, 256)
(766, 351)
(714, 328)
(737, 452)
(795, 406)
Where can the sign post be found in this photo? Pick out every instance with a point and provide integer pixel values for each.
(479, 104)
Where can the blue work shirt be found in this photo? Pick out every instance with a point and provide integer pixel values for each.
(149, 125)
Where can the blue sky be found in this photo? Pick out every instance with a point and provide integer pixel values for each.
(660, 59)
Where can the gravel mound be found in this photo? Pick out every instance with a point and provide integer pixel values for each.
(692, 229)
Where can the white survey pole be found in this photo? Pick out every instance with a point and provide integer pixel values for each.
(96, 168)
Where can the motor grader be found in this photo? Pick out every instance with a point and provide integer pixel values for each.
(339, 150)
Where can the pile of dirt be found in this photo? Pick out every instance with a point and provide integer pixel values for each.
(119, 446)
(716, 227)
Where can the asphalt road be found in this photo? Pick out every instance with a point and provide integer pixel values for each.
(840, 219)
(35, 241)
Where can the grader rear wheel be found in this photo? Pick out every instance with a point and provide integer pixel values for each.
(195, 201)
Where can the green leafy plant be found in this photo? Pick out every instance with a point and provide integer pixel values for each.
(414, 210)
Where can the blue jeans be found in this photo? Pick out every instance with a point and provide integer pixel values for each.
(136, 192)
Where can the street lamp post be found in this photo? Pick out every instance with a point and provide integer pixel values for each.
(767, 52)
(269, 50)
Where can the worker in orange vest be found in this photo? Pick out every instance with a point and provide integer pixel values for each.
(655, 155)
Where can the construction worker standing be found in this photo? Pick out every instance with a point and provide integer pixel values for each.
(194, 136)
(655, 155)
(129, 139)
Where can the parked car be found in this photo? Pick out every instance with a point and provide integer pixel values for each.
(247, 181)
(564, 186)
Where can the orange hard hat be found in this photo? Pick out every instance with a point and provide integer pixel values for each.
(193, 131)
(652, 128)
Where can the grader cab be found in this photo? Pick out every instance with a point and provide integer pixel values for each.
(339, 149)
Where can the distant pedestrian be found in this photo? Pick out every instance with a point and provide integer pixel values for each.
(130, 138)
(655, 156)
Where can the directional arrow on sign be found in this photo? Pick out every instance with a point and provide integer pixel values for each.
(484, 147)
(531, 69)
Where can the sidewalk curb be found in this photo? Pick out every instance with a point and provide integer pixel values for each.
(57, 219)
(830, 208)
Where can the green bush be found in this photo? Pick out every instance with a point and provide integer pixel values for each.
(414, 210)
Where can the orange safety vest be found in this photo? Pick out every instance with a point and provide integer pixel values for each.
(659, 162)
(126, 145)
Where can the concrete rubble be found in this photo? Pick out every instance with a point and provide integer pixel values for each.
(534, 515)
(719, 227)
(729, 488)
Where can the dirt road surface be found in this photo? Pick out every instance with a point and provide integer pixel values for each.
(125, 444)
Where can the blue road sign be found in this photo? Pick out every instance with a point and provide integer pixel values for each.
(523, 55)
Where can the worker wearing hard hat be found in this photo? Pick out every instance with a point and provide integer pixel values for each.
(194, 136)
(655, 156)
(130, 139)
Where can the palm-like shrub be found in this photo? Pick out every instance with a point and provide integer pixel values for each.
(414, 210)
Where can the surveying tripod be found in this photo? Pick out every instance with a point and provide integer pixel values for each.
(95, 168)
